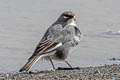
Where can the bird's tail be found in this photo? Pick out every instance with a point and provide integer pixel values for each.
(30, 63)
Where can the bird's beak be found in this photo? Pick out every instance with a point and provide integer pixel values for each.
(74, 18)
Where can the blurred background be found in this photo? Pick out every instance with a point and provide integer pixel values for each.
(23, 23)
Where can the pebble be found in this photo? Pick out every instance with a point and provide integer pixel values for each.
(106, 72)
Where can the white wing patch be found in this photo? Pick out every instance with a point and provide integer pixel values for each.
(58, 45)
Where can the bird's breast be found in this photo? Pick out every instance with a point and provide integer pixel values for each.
(77, 38)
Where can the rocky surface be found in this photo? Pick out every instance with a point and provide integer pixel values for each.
(106, 72)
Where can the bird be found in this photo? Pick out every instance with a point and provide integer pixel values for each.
(57, 41)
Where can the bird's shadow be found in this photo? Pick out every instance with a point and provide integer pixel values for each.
(64, 68)
(59, 68)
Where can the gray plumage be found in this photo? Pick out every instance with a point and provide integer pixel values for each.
(56, 43)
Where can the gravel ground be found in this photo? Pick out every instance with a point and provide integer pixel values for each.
(106, 72)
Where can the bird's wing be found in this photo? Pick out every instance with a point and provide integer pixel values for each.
(47, 44)
(42, 48)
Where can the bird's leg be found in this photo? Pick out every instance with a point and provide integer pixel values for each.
(68, 64)
(52, 63)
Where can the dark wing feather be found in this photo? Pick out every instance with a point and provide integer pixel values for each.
(45, 47)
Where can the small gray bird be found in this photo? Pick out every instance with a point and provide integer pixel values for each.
(57, 42)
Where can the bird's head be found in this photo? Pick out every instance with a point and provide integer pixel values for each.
(67, 17)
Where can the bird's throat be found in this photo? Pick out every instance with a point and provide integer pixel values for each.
(72, 22)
